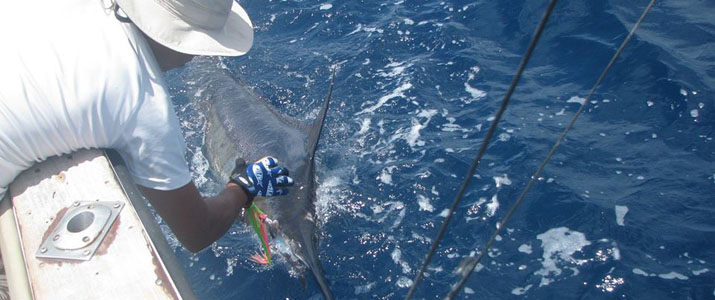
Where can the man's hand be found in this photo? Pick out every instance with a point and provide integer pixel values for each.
(197, 222)
(263, 178)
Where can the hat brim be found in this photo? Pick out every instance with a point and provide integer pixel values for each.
(234, 39)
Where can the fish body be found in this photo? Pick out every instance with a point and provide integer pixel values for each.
(242, 125)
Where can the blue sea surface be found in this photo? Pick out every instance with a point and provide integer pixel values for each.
(625, 210)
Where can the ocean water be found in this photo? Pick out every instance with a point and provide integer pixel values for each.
(625, 210)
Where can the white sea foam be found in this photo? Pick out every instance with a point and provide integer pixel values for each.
(358, 28)
(502, 180)
(673, 275)
(701, 271)
(451, 127)
(475, 93)
(474, 210)
(364, 126)
(199, 167)
(424, 239)
(559, 245)
(616, 252)
(391, 206)
(521, 290)
(397, 69)
(231, 262)
(669, 276)
(398, 220)
(576, 99)
(694, 113)
(199, 92)
(331, 197)
(403, 282)
(376, 209)
(308, 82)
(397, 92)
(492, 206)
(424, 203)
(503, 137)
(524, 248)
(621, 211)
(370, 30)
(638, 271)
(397, 258)
(427, 113)
(386, 175)
(412, 137)
(362, 289)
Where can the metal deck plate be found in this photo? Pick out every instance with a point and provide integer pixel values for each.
(80, 231)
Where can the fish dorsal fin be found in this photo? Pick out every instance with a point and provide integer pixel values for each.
(315, 128)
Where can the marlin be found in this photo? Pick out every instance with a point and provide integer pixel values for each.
(239, 124)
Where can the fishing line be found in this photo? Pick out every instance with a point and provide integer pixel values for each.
(472, 263)
(485, 143)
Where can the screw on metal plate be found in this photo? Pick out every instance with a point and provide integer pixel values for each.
(80, 231)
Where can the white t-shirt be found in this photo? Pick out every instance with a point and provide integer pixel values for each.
(74, 77)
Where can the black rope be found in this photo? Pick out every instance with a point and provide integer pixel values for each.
(485, 143)
(472, 263)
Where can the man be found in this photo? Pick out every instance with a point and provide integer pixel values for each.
(86, 74)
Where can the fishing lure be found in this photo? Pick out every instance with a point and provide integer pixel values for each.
(257, 218)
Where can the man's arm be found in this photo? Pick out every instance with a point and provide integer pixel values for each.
(197, 221)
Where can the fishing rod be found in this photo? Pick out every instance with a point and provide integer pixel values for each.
(473, 262)
(485, 143)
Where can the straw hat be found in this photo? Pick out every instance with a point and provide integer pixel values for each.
(197, 27)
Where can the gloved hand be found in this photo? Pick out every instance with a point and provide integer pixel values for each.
(263, 178)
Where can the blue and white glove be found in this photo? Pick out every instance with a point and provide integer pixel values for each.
(263, 178)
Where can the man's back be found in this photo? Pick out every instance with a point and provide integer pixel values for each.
(78, 75)
(75, 77)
